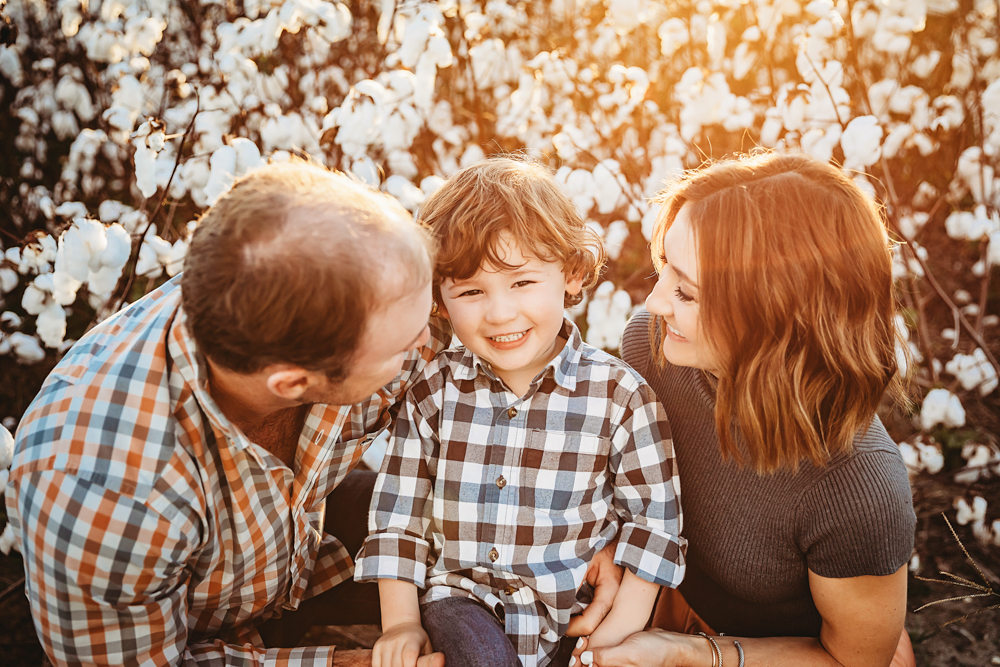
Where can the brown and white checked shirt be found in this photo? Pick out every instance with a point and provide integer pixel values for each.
(153, 531)
(504, 499)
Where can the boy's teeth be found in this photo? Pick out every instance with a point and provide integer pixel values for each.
(508, 338)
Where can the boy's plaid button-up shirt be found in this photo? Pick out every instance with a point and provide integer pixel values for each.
(152, 530)
(506, 500)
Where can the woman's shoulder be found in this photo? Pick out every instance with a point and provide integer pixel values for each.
(856, 513)
(636, 348)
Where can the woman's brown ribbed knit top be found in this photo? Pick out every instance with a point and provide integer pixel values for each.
(752, 538)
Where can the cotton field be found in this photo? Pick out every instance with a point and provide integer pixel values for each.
(124, 119)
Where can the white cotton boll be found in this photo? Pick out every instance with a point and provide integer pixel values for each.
(92, 236)
(51, 325)
(145, 168)
(607, 314)
(336, 21)
(615, 238)
(366, 169)
(962, 70)
(973, 370)
(414, 41)
(940, 406)
(247, 155)
(649, 221)
(73, 95)
(26, 348)
(473, 153)
(974, 513)
(931, 457)
(607, 190)
(820, 144)
(430, 184)
(6, 449)
(148, 265)
(911, 457)
(861, 142)
(580, 187)
(111, 209)
(8, 280)
(37, 256)
(895, 139)
(743, 60)
(223, 170)
(72, 210)
(35, 299)
(924, 64)
(673, 35)
(7, 540)
(118, 247)
(402, 164)
(409, 195)
(175, 262)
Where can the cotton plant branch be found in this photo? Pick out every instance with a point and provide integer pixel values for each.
(128, 276)
(984, 589)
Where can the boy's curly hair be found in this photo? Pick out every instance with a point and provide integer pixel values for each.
(467, 214)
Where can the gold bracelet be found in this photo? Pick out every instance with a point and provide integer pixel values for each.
(716, 651)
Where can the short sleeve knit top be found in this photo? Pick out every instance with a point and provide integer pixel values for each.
(752, 538)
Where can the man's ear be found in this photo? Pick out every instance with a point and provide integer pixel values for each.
(574, 284)
(289, 382)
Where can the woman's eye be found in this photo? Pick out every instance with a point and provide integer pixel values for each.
(682, 296)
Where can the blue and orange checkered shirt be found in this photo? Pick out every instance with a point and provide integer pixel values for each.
(153, 531)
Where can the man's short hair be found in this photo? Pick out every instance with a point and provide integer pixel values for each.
(287, 266)
(467, 214)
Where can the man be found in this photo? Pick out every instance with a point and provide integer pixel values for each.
(175, 480)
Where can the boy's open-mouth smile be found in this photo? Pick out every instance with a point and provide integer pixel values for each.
(508, 341)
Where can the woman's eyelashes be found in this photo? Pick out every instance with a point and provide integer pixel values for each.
(686, 298)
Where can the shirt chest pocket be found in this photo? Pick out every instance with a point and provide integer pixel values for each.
(563, 471)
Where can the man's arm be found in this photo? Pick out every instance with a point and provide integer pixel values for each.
(106, 577)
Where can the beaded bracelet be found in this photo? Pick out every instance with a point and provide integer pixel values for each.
(716, 651)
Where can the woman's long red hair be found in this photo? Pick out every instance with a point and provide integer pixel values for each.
(796, 298)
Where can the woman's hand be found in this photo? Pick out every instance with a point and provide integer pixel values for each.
(650, 648)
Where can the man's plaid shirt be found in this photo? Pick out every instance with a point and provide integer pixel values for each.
(153, 531)
(506, 500)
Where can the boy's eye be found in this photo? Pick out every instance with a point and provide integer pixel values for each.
(682, 295)
(522, 283)
(470, 292)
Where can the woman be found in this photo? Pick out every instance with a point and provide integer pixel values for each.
(773, 342)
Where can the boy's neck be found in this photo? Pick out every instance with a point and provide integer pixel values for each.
(520, 381)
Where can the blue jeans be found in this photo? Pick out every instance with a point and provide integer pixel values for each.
(470, 635)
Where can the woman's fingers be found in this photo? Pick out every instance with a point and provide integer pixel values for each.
(581, 646)
(432, 660)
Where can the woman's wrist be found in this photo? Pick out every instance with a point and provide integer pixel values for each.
(700, 652)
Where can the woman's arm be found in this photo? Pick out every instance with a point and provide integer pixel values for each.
(862, 623)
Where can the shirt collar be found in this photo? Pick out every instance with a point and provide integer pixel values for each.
(564, 365)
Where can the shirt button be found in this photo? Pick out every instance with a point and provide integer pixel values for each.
(494, 554)
(510, 590)
(501, 482)
(512, 413)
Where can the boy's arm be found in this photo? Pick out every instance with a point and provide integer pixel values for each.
(647, 488)
(629, 613)
(399, 519)
(403, 639)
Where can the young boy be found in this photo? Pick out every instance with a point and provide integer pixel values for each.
(521, 453)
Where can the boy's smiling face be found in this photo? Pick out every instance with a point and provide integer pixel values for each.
(511, 318)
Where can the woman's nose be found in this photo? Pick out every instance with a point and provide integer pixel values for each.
(658, 301)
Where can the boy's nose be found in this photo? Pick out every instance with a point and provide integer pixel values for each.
(502, 309)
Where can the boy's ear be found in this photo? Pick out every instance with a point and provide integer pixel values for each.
(574, 284)
(439, 310)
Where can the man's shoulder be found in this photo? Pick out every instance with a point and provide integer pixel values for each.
(109, 393)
